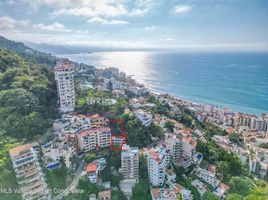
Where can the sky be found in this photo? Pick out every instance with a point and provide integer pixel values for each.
(176, 24)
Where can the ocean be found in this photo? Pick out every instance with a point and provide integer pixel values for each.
(238, 81)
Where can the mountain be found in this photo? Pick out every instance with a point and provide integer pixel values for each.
(28, 100)
(31, 54)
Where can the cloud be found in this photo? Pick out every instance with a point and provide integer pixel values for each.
(82, 32)
(169, 39)
(181, 9)
(7, 23)
(149, 28)
(103, 8)
(94, 8)
(55, 27)
(108, 22)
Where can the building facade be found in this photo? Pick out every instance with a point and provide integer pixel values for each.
(130, 162)
(156, 167)
(64, 76)
(28, 173)
(94, 138)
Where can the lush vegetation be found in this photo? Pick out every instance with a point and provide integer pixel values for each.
(234, 137)
(228, 164)
(245, 187)
(27, 96)
(27, 102)
(58, 178)
(139, 135)
(7, 176)
(264, 145)
(97, 101)
(26, 52)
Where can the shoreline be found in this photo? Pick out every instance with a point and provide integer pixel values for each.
(155, 91)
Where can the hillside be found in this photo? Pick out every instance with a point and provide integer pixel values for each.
(27, 96)
(28, 102)
(26, 52)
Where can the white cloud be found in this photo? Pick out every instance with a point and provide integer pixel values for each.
(82, 32)
(7, 23)
(57, 27)
(103, 8)
(169, 39)
(108, 22)
(94, 8)
(149, 28)
(181, 9)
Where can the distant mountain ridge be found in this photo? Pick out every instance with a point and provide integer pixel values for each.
(28, 53)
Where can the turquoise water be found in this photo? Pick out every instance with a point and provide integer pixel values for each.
(238, 81)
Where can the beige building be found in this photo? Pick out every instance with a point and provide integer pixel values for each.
(130, 162)
(28, 173)
(64, 76)
(94, 138)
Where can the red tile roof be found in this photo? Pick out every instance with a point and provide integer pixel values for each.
(91, 168)
(18, 149)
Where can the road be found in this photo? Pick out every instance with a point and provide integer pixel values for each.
(73, 185)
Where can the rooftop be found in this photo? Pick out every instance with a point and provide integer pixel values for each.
(18, 149)
(91, 168)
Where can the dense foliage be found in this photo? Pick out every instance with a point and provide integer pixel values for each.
(27, 96)
(26, 52)
(7, 175)
(228, 164)
(139, 135)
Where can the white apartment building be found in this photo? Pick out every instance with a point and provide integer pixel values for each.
(182, 146)
(207, 176)
(130, 162)
(144, 117)
(156, 167)
(94, 138)
(28, 173)
(64, 76)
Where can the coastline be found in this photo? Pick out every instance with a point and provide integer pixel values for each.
(217, 80)
(175, 96)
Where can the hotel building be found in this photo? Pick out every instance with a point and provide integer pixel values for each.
(130, 162)
(156, 166)
(28, 173)
(94, 138)
(64, 76)
(182, 146)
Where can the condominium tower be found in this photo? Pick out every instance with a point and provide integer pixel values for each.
(64, 76)
(130, 162)
(28, 173)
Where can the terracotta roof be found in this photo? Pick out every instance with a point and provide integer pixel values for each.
(224, 187)
(86, 132)
(155, 192)
(105, 194)
(19, 149)
(178, 188)
(154, 155)
(212, 168)
(91, 168)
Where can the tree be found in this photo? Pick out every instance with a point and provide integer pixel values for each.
(169, 125)
(264, 145)
(141, 191)
(89, 157)
(27, 95)
(234, 137)
(241, 185)
(210, 196)
(233, 196)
